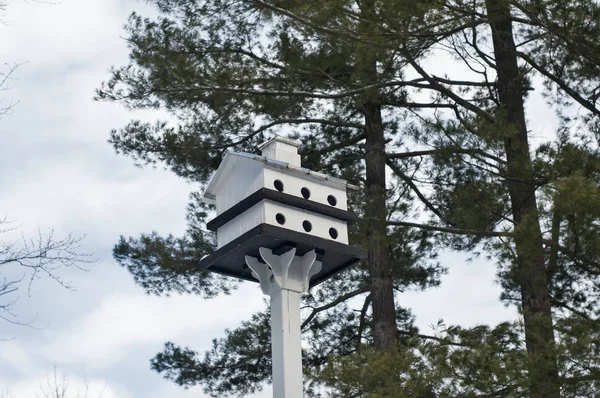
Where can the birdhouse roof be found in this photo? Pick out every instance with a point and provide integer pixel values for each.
(232, 158)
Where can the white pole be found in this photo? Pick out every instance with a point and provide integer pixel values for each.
(285, 344)
(284, 278)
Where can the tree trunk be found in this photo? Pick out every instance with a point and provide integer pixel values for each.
(531, 273)
(385, 329)
(379, 262)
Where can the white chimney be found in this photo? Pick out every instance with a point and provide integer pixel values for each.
(282, 149)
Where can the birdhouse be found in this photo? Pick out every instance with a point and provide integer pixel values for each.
(270, 201)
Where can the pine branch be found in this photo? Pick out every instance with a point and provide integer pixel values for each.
(560, 83)
(278, 122)
(566, 306)
(308, 23)
(306, 94)
(332, 304)
(340, 145)
(418, 105)
(434, 338)
(362, 318)
(249, 54)
(462, 82)
(415, 189)
(405, 155)
(437, 86)
(456, 231)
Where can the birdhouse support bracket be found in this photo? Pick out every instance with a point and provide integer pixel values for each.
(286, 271)
(284, 277)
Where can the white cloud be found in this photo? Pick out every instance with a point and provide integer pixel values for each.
(124, 322)
(16, 357)
(65, 34)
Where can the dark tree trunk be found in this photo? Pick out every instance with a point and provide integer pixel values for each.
(530, 273)
(379, 260)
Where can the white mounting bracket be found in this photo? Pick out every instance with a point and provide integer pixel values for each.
(284, 277)
(287, 271)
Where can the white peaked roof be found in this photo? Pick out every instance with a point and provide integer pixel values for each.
(231, 158)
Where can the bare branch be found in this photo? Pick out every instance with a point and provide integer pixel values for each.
(5, 77)
(43, 256)
(57, 386)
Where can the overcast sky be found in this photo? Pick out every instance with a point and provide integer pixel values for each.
(57, 170)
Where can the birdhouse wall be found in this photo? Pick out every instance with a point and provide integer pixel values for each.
(244, 178)
(295, 219)
(241, 224)
(284, 216)
(320, 191)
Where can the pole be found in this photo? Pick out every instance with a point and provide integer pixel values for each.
(283, 278)
(285, 343)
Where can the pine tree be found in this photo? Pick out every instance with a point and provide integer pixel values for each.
(230, 73)
(510, 46)
(524, 36)
(336, 73)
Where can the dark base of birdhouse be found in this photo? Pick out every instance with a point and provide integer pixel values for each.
(230, 259)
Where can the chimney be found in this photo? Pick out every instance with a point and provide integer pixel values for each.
(282, 149)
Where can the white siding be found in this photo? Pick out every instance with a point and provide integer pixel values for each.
(244, 179)
(293, 183)
(241, 224)
(294, 218)
(266, 211)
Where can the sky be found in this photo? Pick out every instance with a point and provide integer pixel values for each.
(58, 171)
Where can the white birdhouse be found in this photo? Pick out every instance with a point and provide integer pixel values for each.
(270, 201)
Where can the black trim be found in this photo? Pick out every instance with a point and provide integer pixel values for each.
(279, 197)
(229, 260)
